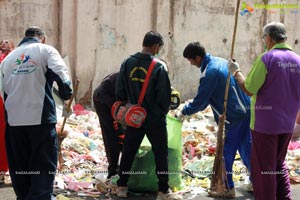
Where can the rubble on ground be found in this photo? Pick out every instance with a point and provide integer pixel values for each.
(86, 165)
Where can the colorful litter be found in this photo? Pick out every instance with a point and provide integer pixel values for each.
(191, 152)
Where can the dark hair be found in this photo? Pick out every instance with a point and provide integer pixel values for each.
(152, 38)
(276, 30)
(34, 31)
(194, 49)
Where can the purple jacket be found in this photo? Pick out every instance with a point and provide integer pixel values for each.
(275, 82)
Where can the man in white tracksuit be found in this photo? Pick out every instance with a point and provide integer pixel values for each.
(28, 74)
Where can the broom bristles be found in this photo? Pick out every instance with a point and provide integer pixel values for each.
(219, 183)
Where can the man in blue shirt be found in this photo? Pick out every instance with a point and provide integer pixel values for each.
(211, 90)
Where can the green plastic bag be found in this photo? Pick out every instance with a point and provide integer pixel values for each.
(145, 179)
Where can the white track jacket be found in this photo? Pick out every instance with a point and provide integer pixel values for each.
(28, 74)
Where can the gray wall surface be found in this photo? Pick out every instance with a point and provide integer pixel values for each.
(97, 35)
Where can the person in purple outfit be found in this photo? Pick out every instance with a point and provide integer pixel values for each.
(273, 84)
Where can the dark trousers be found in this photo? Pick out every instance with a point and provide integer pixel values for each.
(269, 171)
(159, 142)
(32, 159)
(110, 136)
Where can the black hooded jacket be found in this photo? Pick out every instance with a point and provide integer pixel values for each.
(158, 94)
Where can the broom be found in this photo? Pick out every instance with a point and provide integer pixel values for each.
(219, 182)
(61, 134)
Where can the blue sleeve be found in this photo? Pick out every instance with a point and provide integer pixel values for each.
(207, 86)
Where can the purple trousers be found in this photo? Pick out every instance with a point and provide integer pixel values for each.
(269, 170)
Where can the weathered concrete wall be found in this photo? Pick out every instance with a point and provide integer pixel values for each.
(97, 35)
(16, 16)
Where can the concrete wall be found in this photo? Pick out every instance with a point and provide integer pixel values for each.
(16, 16)
(97, 35)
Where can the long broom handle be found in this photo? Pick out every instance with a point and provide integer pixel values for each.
(219, 176)
(68, 107)
(235, 27)
(231, 56)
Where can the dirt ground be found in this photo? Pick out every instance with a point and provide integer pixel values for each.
(7, 193)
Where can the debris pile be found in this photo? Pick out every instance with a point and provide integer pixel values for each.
(85, 166)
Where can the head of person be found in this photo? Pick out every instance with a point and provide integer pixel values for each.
(152, 42)
(36, 32)
(194, 52)
(6, 46)
(273, 33)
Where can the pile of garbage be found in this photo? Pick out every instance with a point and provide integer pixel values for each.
(85, 163)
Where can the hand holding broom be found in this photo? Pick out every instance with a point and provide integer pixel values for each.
(63, 134)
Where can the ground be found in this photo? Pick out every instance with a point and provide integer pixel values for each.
(7, 193)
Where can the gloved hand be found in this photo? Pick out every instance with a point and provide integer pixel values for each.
(180, 116)
(65, 113)
(233, 66)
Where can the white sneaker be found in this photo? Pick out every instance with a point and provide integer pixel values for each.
(122, 192)
(168, 196)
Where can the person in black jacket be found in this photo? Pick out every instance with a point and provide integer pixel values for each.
(156, 102)
(103, 97)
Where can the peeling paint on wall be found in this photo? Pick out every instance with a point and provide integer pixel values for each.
(98, 35)
(109, 36)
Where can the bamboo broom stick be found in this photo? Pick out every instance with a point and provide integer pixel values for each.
(60, 135)
(219, 182)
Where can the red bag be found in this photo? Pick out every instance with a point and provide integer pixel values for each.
(129, 114)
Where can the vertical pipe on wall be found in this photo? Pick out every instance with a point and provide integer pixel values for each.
(265, 13)
(170, 54)
(59, 24)
(264, 21)
(74, 74)
(154, 15)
